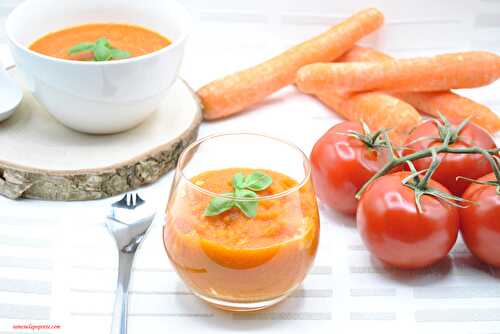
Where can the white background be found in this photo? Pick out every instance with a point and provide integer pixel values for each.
(57, 260)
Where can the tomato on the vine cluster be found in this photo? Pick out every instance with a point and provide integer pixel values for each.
(394, 230)
(480, 222)
(472, 166)
(411, 220)
(341, 165)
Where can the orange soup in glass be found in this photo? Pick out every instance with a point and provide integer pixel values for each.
(242, 224)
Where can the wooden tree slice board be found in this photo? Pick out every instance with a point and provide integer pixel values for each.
(41, 158)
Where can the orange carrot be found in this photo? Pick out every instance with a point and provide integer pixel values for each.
(240, 90)
(453, 106)
(449, 104)
(377, 110)
(458, 70)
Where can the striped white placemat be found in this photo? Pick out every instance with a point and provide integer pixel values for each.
(61, 273)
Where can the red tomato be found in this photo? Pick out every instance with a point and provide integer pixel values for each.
(341, 165)
(480, 223)
(472, 166)
(395, 232)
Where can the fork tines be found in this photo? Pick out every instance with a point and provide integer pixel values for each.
(129, 201)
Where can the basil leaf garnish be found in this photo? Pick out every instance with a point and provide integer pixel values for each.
(248, 207)
(258, 181)
(119, 54)
(102, 49)
(103, 42)
(102, 53)
(244, 188)
(219, 205)
(82, 47)
(239, 181)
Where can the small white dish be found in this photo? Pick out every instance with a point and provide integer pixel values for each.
(98, 97)
(10, 95)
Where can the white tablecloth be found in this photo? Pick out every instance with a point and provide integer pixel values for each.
(58, 263)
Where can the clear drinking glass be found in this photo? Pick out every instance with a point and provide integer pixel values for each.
(231, 260)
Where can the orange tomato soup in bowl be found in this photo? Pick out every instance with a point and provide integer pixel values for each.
(234, 258)
(135, 40)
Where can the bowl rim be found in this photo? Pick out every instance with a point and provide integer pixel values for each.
(304, 180)
(186, 30)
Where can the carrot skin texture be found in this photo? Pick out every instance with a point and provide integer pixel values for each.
(378, 110)
(443, 72)
(449, 104)
(235, 92)
(453, 106)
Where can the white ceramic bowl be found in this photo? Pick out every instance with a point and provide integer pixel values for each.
(98, 97)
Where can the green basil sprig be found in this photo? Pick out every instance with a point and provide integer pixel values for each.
(102, 50)
(244, 187)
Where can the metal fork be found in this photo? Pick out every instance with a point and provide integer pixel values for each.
(128, 222)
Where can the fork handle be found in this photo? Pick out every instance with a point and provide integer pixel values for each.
(119, 322)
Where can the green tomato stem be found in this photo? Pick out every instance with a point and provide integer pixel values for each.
(422, 184)
(443, 148)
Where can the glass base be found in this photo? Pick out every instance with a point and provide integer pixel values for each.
(241, 306)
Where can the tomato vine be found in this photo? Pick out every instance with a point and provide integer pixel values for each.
(448, 135)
